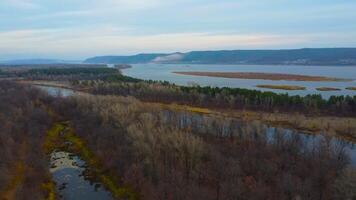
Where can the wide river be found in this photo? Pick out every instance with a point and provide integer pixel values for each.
(163, 72)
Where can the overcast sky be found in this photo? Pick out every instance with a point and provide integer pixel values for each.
(76, 29)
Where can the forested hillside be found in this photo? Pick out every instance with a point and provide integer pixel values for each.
(322, 56)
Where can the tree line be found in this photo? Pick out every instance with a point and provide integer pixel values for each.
(227, 98)
(165, 154)
(110, 81)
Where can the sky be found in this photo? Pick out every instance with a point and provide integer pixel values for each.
(77, 29)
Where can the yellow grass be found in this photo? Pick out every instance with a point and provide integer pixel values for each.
(51, 139)
(50, 190)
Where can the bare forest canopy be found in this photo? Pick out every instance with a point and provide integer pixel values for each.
(161, 153)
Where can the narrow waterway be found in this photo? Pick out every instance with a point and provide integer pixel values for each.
(67, 172)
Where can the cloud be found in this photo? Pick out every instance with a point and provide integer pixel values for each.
(22, 4)
(126, 4)
(173, 57)
(89, 41)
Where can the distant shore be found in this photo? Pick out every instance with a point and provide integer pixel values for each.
(263, 76)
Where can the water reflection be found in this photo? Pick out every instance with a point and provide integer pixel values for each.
(256, 131)
(55, 91)
(67, 173)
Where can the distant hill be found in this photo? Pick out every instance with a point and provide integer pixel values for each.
(140, 58)
(37, 62)
(320, 56)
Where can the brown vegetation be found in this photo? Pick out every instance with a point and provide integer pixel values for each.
(282, 87)
(263, 76)
(351, 88)
(328, 89)
(170, 154)
(23, 120)
(166, 153)
(342, 127)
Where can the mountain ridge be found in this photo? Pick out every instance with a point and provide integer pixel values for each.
(38, 61)
(305, 56)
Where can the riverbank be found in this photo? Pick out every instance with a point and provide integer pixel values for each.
(61, 139)
(262, 76)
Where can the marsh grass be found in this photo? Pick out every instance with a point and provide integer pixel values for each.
(282, 87)
(327, 89)
(351, 88)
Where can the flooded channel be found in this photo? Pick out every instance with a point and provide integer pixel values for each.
(237, 127)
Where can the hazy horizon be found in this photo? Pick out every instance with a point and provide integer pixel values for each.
(85, 28)
(19, 58)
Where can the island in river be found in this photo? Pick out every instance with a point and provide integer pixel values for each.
(282, 87)
(351, 88)
(263, 76)
(327, 89)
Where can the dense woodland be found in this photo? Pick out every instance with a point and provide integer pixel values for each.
(309, 56)
(168, 154)
(23, 122)
(109, 81)
(232, 98)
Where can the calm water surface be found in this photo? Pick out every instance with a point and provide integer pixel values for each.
(67, 172)
(56, 91)
(164, 72)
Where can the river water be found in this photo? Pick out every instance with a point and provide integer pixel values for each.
(163, 72)
(67, 172)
